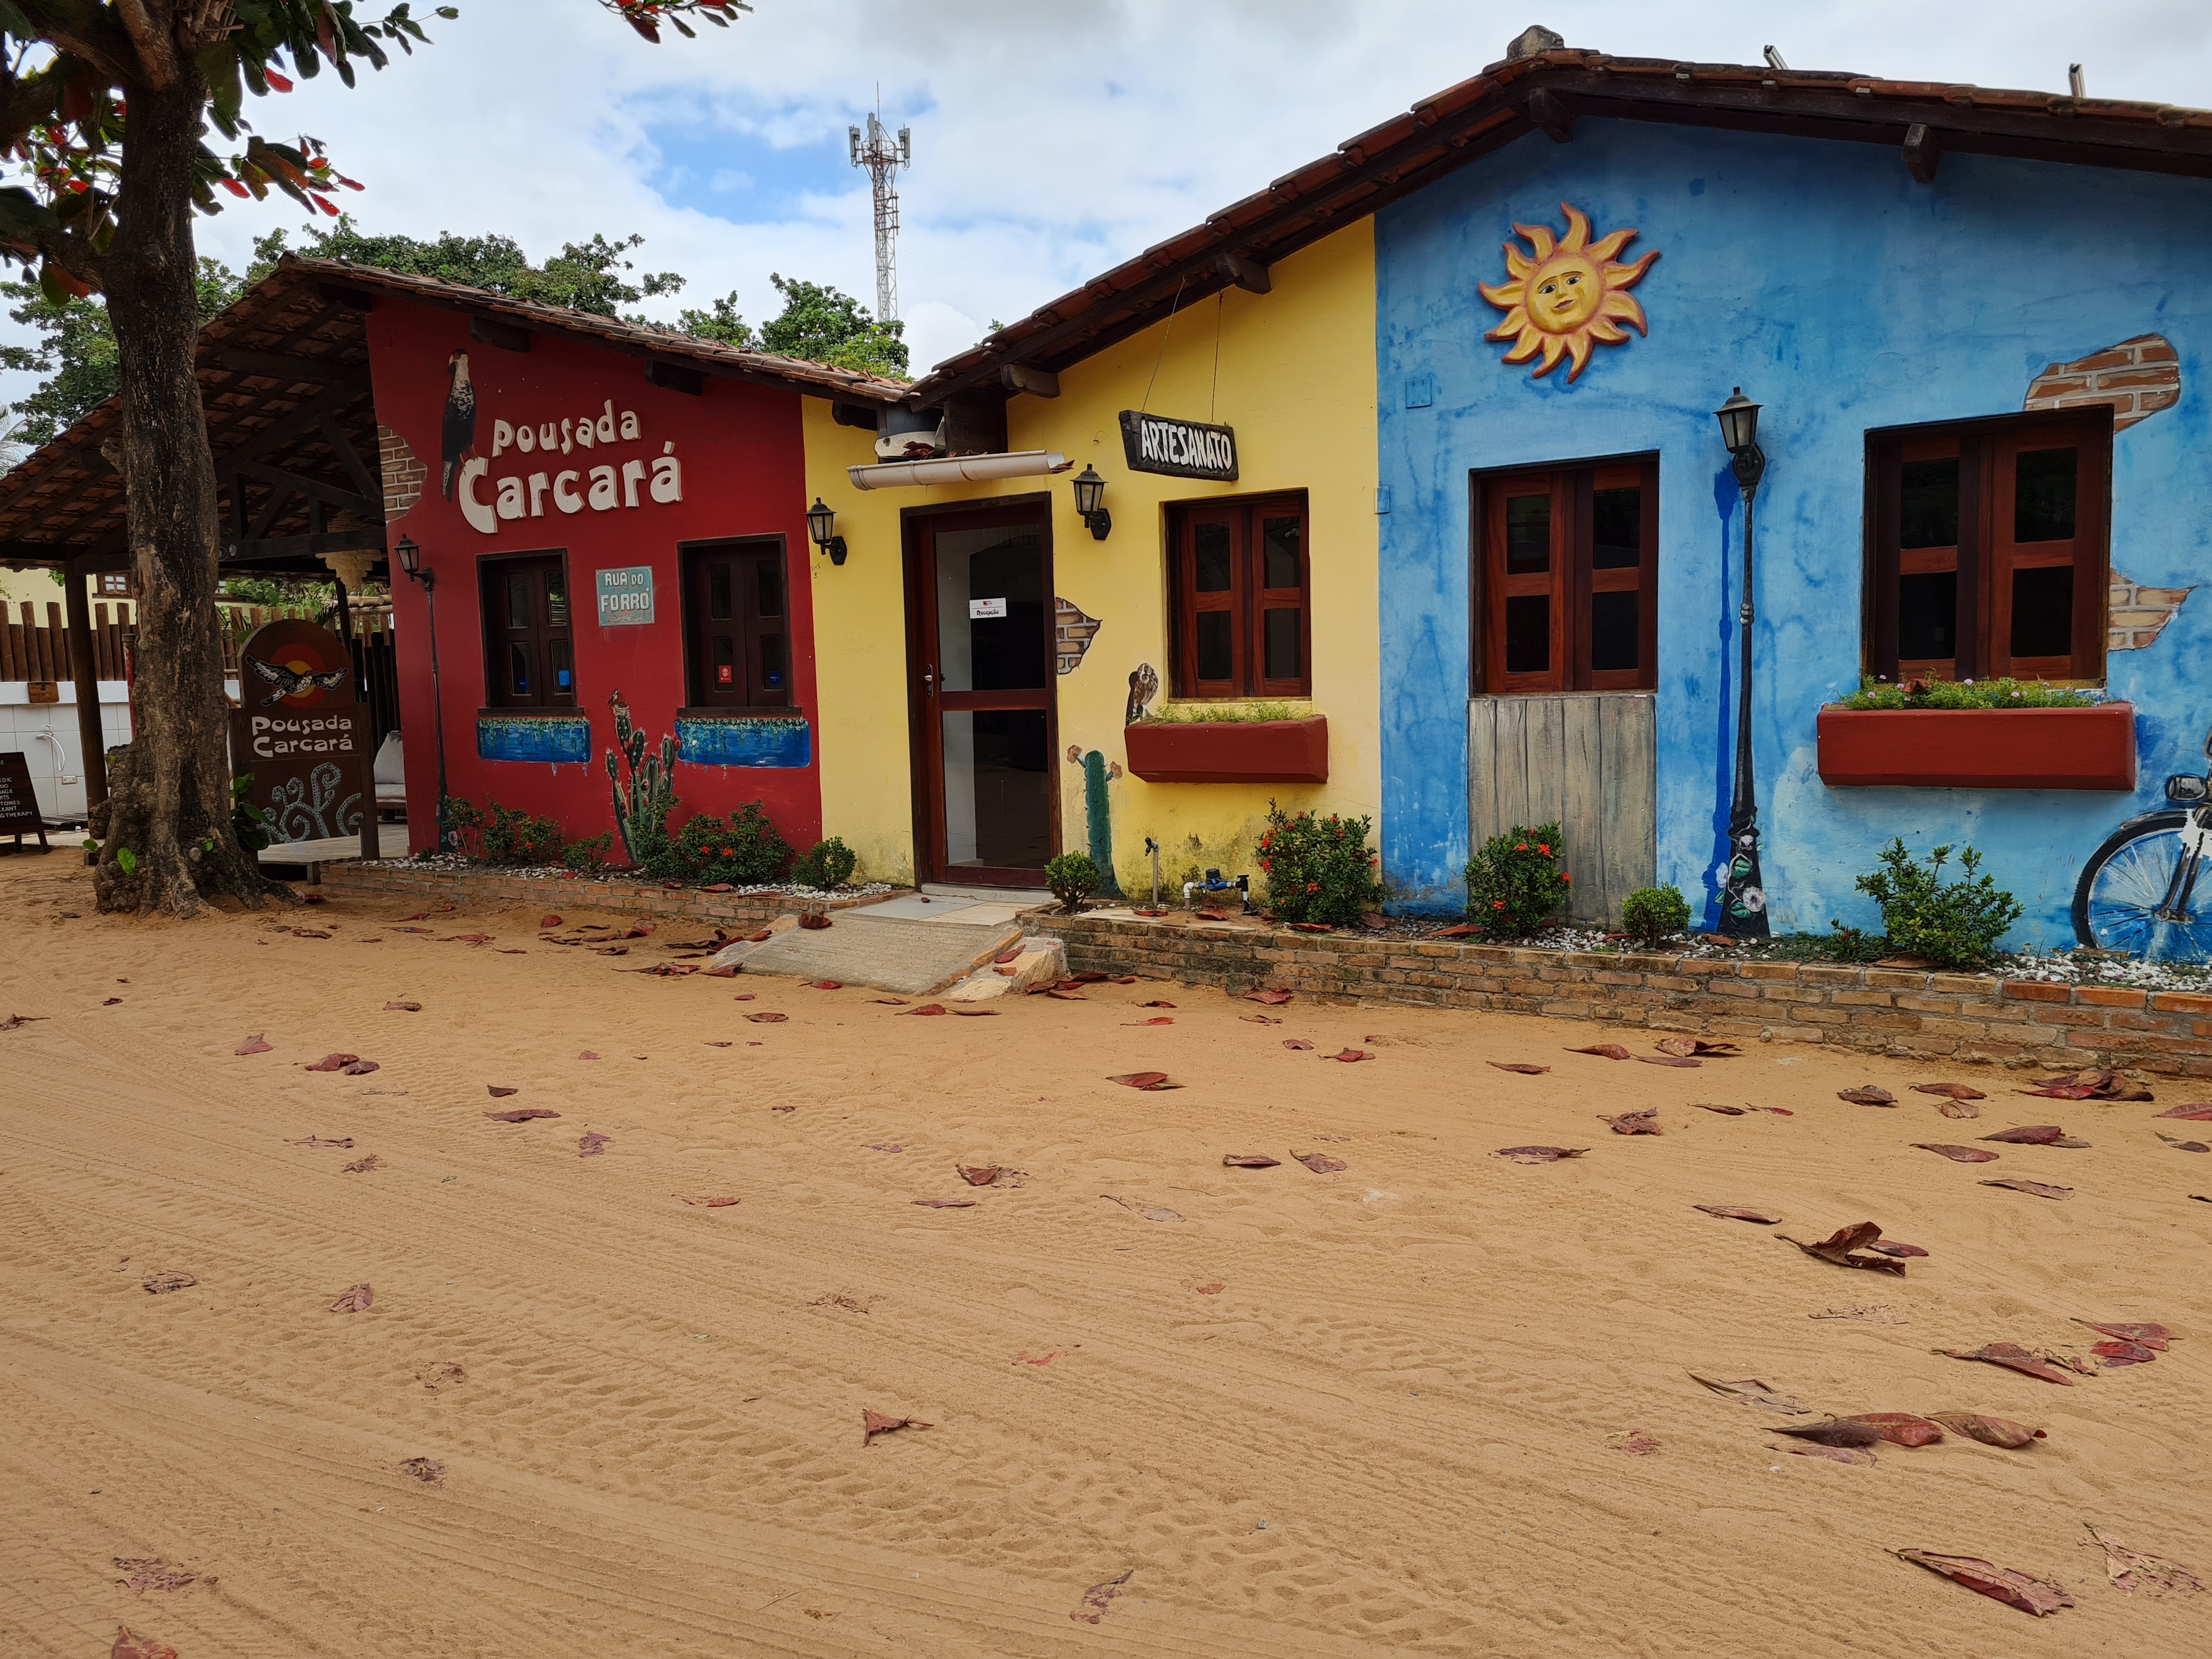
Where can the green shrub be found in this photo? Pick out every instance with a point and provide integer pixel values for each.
(1854, 944)
(744, 850)
(1073, 878)
(1653, 915)
(2006, 693)
(503, 834)
(247, 822)
(1515, 884)
(826, 865)
(1318, 869)
(1956, 926)
(590, 854)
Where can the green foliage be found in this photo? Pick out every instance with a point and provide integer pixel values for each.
(643, 805)
(589, 854)
(503, 834)
(1221, 713)
(1655, 915)
(1072, 878)
(1955, 926)
(1318, 869)
(744, 850)
(822, 326)
(720, 323)
(1515, 884)
(1850, 943)
(826, 865)
(74, 353)
(127, 859)
(2007, 693)
(589, 275)
(247, 822)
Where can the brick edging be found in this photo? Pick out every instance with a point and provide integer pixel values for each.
(506, 887)
(1973, 1016)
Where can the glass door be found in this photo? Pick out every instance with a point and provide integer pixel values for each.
(985, 635)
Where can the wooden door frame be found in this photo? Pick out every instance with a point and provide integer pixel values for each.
(924, 737)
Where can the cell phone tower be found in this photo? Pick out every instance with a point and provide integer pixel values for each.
(883, 156)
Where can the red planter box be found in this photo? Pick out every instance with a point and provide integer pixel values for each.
(1980, 748)
(1230, 751)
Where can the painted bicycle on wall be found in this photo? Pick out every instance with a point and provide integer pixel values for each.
(2148, 891)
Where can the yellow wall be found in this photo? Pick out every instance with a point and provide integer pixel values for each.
(1297, 381)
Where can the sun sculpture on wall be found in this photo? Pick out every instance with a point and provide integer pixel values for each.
(1564, 292)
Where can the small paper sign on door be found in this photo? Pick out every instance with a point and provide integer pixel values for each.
(979, 609)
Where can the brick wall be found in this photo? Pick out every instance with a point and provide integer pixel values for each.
(2137, 378)
(415, 887)
(403, 472)
(1966, 1017)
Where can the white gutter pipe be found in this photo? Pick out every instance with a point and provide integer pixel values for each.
(958, 469)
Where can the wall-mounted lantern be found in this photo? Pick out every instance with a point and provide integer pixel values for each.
(822, 524)
(411, 560)
(1090, 503)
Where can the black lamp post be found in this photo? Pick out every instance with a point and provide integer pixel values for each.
(822, 524)
(1743, 896)
(410, 563)
(1090, 503)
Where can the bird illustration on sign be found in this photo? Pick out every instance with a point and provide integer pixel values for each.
(294, 681)
(1564, 292)
(459, 436)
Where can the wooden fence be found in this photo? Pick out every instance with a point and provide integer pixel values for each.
(36, 649)
(1585, 762)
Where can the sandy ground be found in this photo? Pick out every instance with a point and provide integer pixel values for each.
(1393, 1428)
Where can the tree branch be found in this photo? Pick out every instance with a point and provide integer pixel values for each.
(156, 53)
(32, 102)
(84, 30)
(72, 250)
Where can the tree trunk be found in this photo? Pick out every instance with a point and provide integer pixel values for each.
(171, 805)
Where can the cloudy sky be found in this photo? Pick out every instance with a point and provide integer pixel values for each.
(1051, 137)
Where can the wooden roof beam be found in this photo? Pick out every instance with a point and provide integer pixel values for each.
(1924, 153)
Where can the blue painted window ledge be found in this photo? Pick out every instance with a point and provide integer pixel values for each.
(708, 737)
(554, 736)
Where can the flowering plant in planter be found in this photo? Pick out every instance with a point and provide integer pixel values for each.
(1515, 884)
(1318, 869)
(1880, 692)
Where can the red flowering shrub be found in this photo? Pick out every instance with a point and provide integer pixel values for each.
(1318, 869)
(1515, 884)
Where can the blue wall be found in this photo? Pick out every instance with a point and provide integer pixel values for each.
(1843, 297)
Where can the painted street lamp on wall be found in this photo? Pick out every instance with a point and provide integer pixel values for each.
(1743, 895)
(822, 524)
(1090, 503)
(410, 556)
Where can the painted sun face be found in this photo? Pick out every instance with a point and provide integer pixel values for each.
(1565, 293)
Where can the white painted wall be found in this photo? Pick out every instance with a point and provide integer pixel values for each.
(46, 734)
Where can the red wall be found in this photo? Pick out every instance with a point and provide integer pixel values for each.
(744, 463)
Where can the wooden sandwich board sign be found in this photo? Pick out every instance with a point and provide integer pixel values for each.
(19, 805)
(1181, 449)
(303, 734)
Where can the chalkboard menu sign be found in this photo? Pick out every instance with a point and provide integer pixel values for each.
(19, 807)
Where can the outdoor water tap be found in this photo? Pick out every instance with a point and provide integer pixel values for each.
(1213, 884)
(1152, 848)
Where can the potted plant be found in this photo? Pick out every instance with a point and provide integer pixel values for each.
(1998, 734)
(1229, 743)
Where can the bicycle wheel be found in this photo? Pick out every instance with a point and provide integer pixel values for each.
(2126, 881)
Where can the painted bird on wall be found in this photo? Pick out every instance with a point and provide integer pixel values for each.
(459, 435)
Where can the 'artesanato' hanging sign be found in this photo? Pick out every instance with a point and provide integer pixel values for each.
(1181, 449)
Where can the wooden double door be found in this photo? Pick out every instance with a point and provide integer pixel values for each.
(981, 629)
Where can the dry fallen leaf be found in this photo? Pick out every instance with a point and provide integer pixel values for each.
(1156, 1003)
(1150, 1211)
(1156, 1019)
(521, 1114)
(2185, 1145)
(1634, 1442)
(875, 1423)
(2129, 1571)
(316, 1140)
(1297, 1044)
(1319, 1163)
(2151, 1336)
(162, 1283)
(1518, 1066)
(149, 1572)
(254, 1045)
(1095, 1598)
(986, 1013)
(1990, 1430)
(926, 1011)
(945, 1203)
(2201, 1113)
(1895, 1247)
(1867, 1094)
(355, 1300)
(704, 1203)
(1643, 1122)
(2036, 1187)
(2015, 1589)
(1204, 1287)
(1348, 1055)
(362, 1165)
(1900, 1428)
(1957, 1154)
(592, 1144)
(402, 1007)
(2033, 1135)
(1150, 1080)
(1950, 1090)
(429, 1470)
(1685, 1046)
(1839, 1248)
(334, 1062)
(1249, 1161)
(1738, 1212)
(767, 1018)
(988, 1174)
(2118, 1354)
(1539, 1154)
(1957, 1109)
(1267, 995)
(1608, 1050)
(128, 1646)
(1258, 1019)
(2087, 1085)
(2013, 1357)
(1751, 1392)
(1833, 1454)
(499, 1092)
(360, 1068)
(1836, 1432)
(1667, 1059)
(1725, 1111)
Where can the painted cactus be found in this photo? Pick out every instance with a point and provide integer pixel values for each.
(642, 807)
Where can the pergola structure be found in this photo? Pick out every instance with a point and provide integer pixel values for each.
(291, 421)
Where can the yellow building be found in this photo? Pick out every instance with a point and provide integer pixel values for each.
(981, 652)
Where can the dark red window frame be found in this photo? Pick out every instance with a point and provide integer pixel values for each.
(1239, 622)
(736, 618)
(1566, 589)
(529, 631)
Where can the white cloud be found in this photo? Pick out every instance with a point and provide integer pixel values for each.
(1051, 137)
